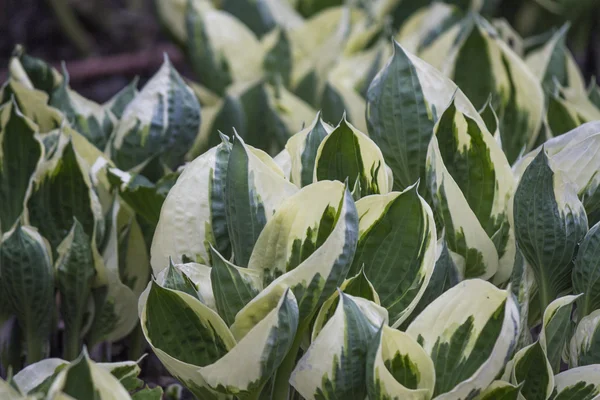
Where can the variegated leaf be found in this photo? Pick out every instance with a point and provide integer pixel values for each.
(75, 272)
(554, 61)
(308, 248)
(233, 287)
(472, 160)
(263, 15)
(118, 103)
(204, 358)
(302, 149)
(277, 61)
(556, 329)
(89, 118)
(334, 364)
(221, 49)
(447, 273)
(550, 221)
(581, 383)
(268, 335)
(84, 378)
(193, 213)
(164, 118)
(516, 93)
(347, 153)
(531, 369)
(34, 71)
(396, 247)
(584, 348)
(20, 154)
(63, 183)
(463, 231)
(254, 189)
(500, 390)
(357, 286)
(586, 273)
(398, 367)
(33, 104)
(469, 332)
(27, 280)
(576, 153)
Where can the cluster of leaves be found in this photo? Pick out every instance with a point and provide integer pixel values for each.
(81, 186)
(82, 378)
(448, 264)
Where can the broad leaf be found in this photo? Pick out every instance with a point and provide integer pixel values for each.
(468, 332)
(470, 159)
(556, 329)
(347, 153)
(581, 383)
(398, 367)
(27, 280)
(584, 348)
(586, 273)
(254, 189)
(550, 221)
(396, 248)
(20, 153)
(334, 364)
(164, 118)
(531, 369)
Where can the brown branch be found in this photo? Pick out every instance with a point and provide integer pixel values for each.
(118, 64)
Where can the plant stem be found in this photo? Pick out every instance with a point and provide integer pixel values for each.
(545, 298)
(281, 387)
(35, 347)
(71, 343)
(137, 343)
(71, 26)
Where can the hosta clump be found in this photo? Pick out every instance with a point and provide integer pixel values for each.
(337, 268)
(72, 223)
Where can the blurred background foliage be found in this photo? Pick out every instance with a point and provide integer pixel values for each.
(107, 42)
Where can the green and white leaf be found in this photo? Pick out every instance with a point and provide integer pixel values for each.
(92, 120)
(328, 231)
(254, 189)
(184, 334)
(75, 270)
(27, 280)
(222, 50)
(193, 213)
(119, 101)
(531, 369)
(581, 383)
(469, 332)
(554, 61)
(347, 153)
(548, 215)
(500, 390)
(63, 183)
(84, 378)
(586, 273)
(556, 329)
(33, 104)
(476, 164)
(584, 348)
(396, 248)
(463, 231)
(164, 118)
(302, 149)
(516, 93)
(21, 152)
(398, 367)
(271, 333)
(334, 364)
(233, 287)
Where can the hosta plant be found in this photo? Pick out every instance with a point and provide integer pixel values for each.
(82, 186)
(412, 262)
